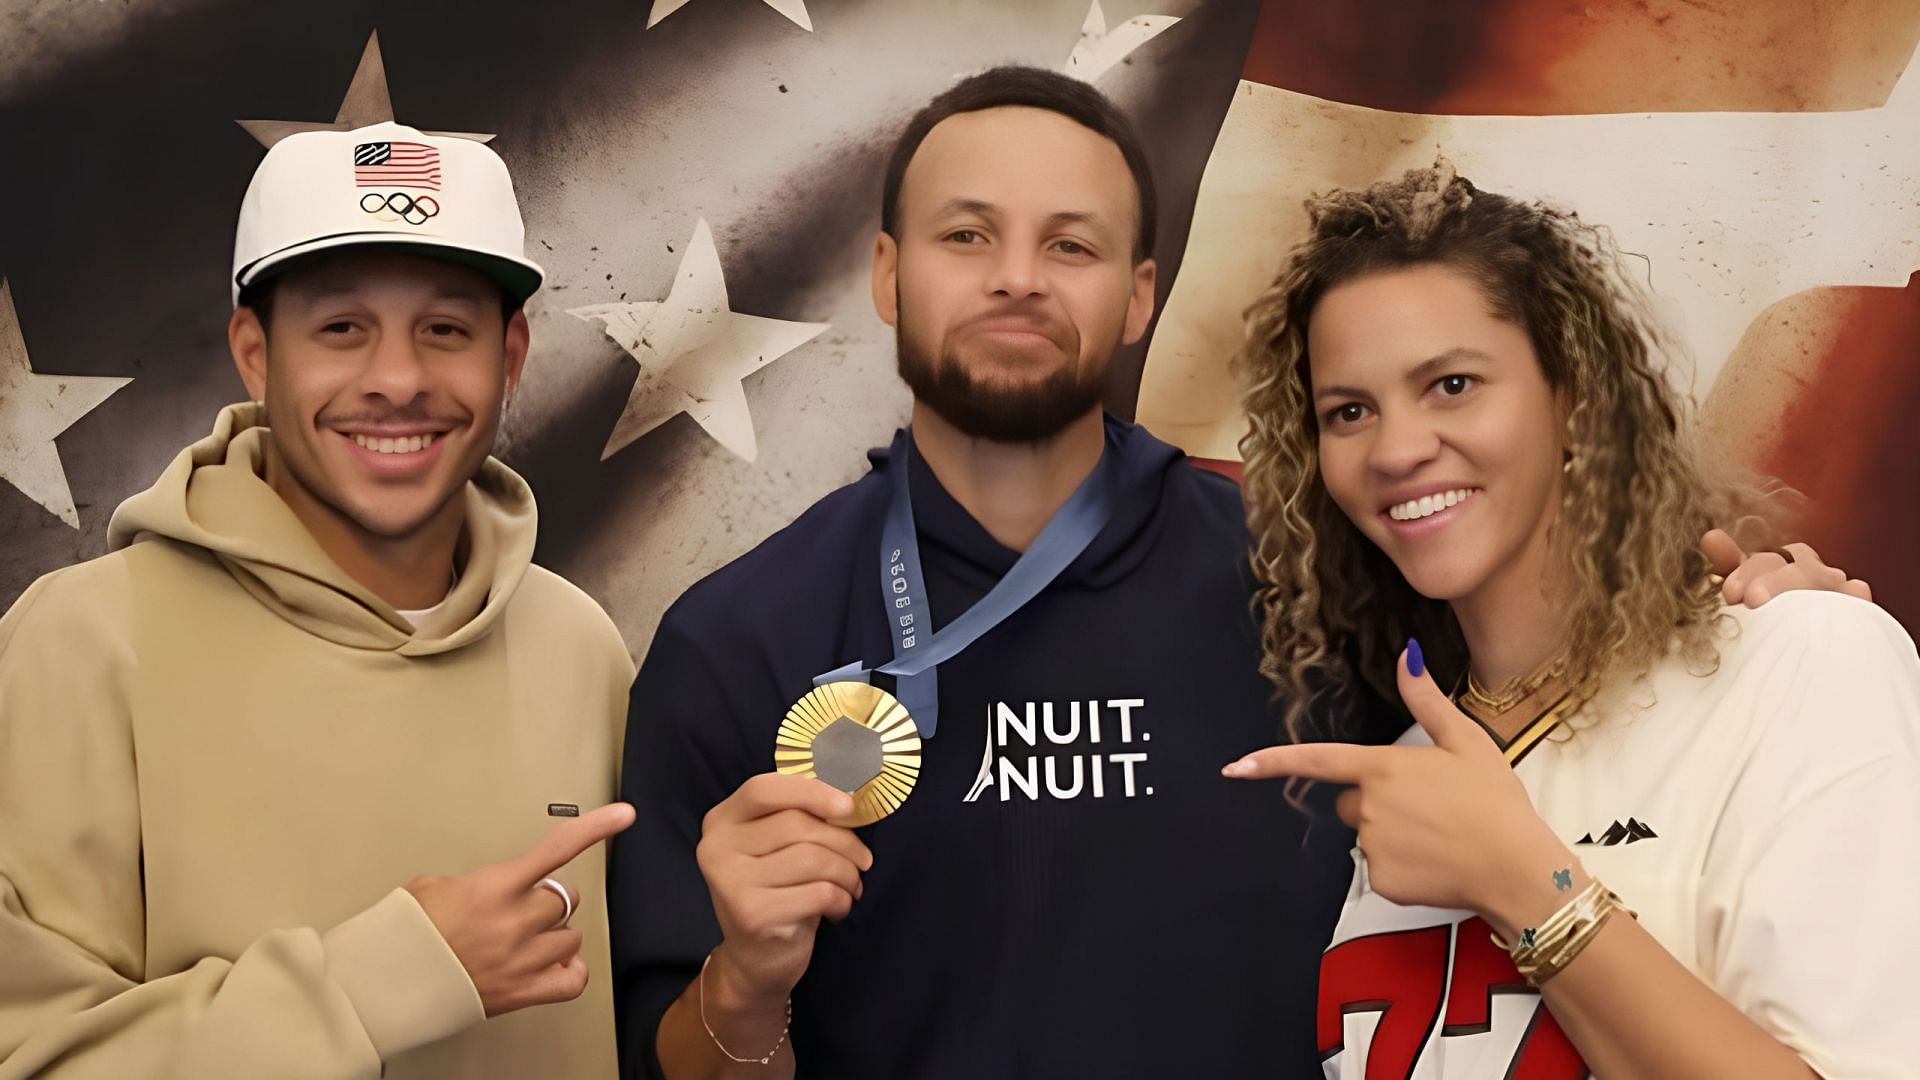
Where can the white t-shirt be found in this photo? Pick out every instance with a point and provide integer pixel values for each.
(417, 618)
(1763, 820)
(422, 615)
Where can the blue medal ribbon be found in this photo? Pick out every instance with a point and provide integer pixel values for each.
(917, 649)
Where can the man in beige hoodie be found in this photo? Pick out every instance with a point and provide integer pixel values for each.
(317, 665)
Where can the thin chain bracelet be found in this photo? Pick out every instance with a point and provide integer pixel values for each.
(768, 1060)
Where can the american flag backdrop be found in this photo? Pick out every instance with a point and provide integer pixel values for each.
(670, 153)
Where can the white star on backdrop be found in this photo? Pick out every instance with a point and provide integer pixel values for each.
(693, 351)
(367, 102)
(36, 408)
(1100, 49)
(795, 10)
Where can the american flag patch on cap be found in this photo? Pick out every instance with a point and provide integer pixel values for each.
(396, 164)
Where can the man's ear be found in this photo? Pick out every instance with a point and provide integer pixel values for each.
(519, 340)
(886, 279)
(1140, 304)
(247, 341)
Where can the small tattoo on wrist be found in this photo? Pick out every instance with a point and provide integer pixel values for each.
(1563, 879)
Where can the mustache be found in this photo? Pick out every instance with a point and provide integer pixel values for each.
(1025, 317)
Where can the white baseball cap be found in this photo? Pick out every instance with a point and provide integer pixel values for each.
(390, 185)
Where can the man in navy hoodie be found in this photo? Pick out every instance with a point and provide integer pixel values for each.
(1072, 889)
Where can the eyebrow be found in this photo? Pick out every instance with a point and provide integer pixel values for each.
(1421, 372)
(1053, 221)
(965, 206)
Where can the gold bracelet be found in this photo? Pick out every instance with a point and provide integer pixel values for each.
(1543, 951)
(768, 1059)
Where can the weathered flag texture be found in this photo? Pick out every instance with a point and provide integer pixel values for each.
(1761, 157)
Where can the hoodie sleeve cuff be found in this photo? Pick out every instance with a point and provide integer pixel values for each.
(403, 979)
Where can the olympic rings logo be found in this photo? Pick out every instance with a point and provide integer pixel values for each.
(400, 206)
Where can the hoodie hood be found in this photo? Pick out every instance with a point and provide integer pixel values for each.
(215, 496)
(1139, 466)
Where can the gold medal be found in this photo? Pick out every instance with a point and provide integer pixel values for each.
(857, 738)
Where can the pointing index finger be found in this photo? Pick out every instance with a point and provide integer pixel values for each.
(567, 838)
(1340, 763)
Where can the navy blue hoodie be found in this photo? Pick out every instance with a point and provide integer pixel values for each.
(1072, 889)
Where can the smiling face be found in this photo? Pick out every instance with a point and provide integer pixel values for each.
(384, 376)
(1438, 434)
(1013, 279)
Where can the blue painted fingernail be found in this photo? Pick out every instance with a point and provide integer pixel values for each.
(1416, 663)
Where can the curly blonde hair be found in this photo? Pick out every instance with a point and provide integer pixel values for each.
(1332, 607)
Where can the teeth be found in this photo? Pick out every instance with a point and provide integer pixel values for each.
(1428, 505)
(411, 444)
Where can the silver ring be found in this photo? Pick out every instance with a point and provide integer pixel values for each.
(566, 898)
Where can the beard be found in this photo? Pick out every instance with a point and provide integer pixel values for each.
(1027, 411)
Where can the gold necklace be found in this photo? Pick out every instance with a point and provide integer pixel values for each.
(1545, 696)
(1492, 703)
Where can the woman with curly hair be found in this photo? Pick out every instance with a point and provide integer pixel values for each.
(1464, 442)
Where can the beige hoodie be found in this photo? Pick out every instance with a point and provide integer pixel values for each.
(220, 757)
